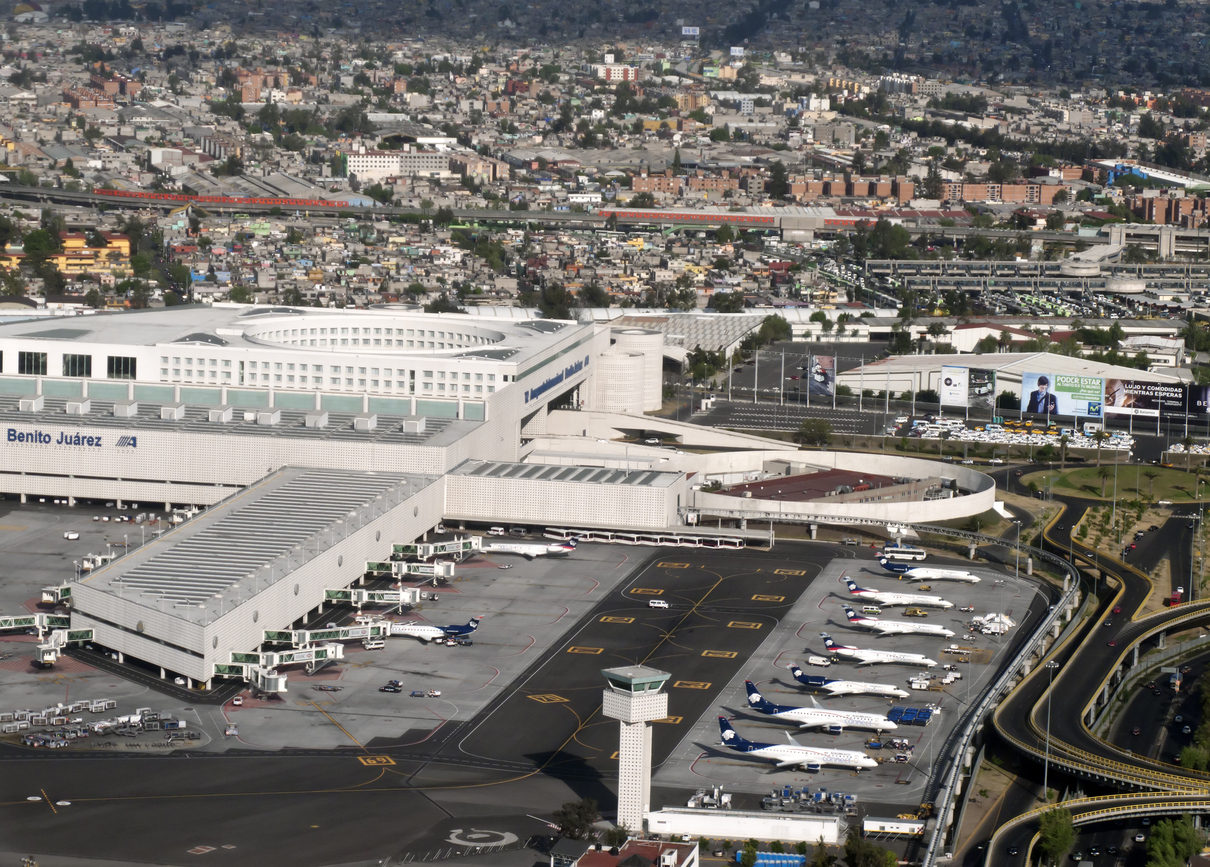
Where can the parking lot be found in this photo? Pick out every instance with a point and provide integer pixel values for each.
(699, 760)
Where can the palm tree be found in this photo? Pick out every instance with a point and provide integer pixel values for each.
(1063, 440)
(1103, 475)
(1187, 442)
(1151, 475)
(1099, 437)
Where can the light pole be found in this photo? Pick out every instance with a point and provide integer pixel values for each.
(1050, 666)
(1017, 567)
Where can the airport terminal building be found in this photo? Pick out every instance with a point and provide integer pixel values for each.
(322, 439)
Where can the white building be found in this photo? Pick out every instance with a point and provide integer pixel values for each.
(376, 165)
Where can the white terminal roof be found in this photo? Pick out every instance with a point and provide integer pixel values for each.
(1011, 365)
(243, 327)
(207, 566)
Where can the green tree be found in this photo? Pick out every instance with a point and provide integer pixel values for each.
(240, 295)
(727, 302)
(778, 184)
(1056, 833)
(814, 432)
(1173, 842)
(1099, 437)
(140, 264)
(93, 298)
(821, 857)
(576, 818)
(1103, 474)
(724, 234)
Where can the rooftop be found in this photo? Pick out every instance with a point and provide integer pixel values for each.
(219, 560)
(284, 328)
(437, 431)
(549, 473)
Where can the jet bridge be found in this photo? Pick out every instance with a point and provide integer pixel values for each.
(56, 593)
(443, 569)
(361, 598)
(304, 637)
(427, 550)
(260, 668)
(40, 622)
(52, 648)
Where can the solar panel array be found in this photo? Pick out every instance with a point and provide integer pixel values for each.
(239, 542)
(549, 473)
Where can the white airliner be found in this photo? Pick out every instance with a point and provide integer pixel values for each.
(816, 716)
(884, 597)
(896, 627)
(872, 657)
(845, 687)
(529, 552)
(927, 573)
(794, 754)
(428, 632)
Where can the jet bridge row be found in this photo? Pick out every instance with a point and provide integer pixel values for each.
(427, 550)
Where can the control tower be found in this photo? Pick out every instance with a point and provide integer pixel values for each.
(633, 698)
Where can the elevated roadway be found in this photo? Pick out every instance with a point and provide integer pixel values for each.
(665, 219)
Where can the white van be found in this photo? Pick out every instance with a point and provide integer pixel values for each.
(819, 660)
(496, 531)
(656, 603)
(870, 609)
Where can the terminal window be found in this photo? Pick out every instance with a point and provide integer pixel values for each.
(33, 363)
(77, 365)
(120, 367)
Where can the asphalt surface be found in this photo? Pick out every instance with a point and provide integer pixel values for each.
(722, 605)
(1154, 716)
(537, 746)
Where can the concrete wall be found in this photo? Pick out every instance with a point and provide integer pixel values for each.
(733, 465)
(734, 825)
(557, 504)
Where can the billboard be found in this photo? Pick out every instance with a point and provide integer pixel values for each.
(1150, 399)
(973, 387)
(1198, 397)
(823, 376)
(954, 386)
(737, 51)
(981, 388)
(1061, 394)
(691, 31)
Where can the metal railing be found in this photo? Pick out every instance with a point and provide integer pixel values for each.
(948, 772)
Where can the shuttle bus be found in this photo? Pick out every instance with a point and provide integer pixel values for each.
(903, 552)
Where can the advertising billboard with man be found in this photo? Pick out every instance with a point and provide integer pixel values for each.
(1150, 399)
(1061, 394)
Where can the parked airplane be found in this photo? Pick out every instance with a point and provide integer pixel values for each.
(884, 597)
(871, 657)
(845, 687)
(428, 632)
(794, 754)
(927, 573)
(896, 627)
(817, 717)
(529, 552)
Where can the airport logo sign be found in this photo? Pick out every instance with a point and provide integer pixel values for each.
(545, 386)
(41, 438)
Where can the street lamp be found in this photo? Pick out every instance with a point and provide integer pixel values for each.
(1017, 567)
(1050, 666)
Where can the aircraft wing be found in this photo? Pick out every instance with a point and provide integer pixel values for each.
(789, 763)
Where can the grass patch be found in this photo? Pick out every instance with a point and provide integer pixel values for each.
(1169, 483)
